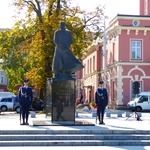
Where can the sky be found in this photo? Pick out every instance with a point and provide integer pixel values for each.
(6, 12)
(113, 7)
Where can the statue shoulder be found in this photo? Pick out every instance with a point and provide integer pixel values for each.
(57, 32)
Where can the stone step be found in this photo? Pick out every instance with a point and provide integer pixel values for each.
(94, 130)
(75, 137)
(76, 143)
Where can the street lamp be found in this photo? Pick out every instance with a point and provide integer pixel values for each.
(104, 51)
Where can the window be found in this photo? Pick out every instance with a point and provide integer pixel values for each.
(93, 63)
(4, 100)
(88, 67)
(136, 50)
(1, 79)
(143, 99)
(84, 70)
(9, 100)
(113, 51)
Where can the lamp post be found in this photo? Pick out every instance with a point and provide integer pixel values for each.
(104, 51)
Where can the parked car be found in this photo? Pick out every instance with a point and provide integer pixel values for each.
(6, 94)
(140, 102)
(7, 103)
(17, 105)
(36, 105)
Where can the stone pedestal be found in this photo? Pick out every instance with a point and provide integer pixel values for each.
(61, 97)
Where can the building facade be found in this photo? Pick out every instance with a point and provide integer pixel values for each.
(127, 58)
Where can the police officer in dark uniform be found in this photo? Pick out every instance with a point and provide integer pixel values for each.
(25, 99)
(101, 100)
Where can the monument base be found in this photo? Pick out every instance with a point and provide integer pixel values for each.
(49, 123)
(61, 99)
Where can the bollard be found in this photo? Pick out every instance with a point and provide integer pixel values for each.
(33, 114)
(76, 114)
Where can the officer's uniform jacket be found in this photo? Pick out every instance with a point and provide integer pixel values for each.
(25, 95)
(101, 97)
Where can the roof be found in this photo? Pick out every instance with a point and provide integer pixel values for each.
(128, 16)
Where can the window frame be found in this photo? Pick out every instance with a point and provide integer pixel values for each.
(136, 47)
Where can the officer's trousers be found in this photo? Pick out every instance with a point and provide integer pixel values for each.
(25, 113)
(100, 113)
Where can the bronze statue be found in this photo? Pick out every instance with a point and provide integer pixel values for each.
(64, 61)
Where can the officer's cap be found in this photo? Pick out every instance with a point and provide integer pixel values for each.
(25, 80)
(101, 82)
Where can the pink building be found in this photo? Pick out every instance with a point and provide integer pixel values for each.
(127, 58)
(90, 73)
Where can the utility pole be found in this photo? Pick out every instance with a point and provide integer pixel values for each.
(104, 52)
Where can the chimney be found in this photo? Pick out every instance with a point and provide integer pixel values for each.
(145, 7)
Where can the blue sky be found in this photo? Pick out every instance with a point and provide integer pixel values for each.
(112, 8)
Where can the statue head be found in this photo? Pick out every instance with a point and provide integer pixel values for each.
(63, 25)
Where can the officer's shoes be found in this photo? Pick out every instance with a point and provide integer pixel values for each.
(22, 123)
(102, 123)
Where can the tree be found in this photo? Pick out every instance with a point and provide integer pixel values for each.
(28, 48)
